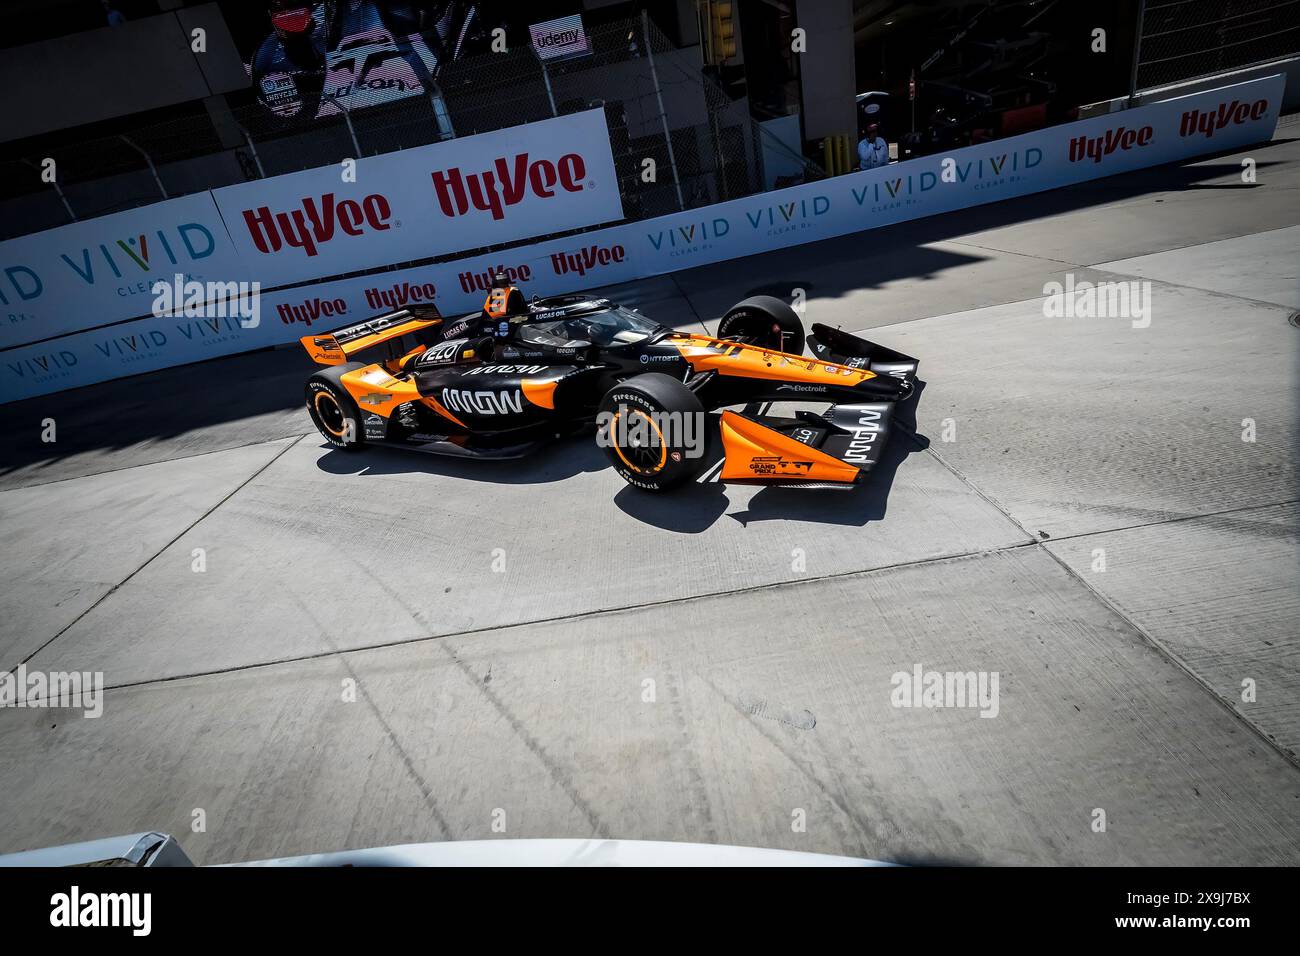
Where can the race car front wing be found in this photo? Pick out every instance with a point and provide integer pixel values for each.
(834, 448)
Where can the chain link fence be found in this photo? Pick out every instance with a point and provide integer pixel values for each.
(1189, 39)
(678, 140)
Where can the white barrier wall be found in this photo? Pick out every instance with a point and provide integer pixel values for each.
(1165, 132)
(90, 273)
(512, 184)
(524, 181)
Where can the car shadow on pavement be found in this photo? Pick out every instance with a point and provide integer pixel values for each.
(565, 458)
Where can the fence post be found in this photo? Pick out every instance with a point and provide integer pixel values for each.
(546, 78)
(1137, 51)
(253, 149)
(58, 190)
(663, 115)
(152, 168)
(347, 118)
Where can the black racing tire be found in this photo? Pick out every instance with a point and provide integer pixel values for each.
(764, 320)
(629, 415)
(331, 408)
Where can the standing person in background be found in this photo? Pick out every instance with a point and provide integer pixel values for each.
(873, 151)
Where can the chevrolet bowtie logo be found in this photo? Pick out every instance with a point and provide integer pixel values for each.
(375, 398)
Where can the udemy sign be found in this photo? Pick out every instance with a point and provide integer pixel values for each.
(560, 39)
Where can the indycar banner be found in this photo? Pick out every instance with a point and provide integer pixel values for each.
(1208, 122)
(93, 273)
(467, 193)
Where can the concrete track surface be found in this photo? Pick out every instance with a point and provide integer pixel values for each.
(1078, 512)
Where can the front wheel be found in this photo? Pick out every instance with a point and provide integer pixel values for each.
(652, 430)
(766, 321)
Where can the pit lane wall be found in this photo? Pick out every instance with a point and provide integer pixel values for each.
(1217, 120)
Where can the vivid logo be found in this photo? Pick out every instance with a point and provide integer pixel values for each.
(1228, 114)
(1098, 147)
(684, 237)
(38, 366)
(315, 222)
(492, 190)
(786, 212)
(893, 188)
(119, 258)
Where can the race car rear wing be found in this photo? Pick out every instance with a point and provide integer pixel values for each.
(335, 348)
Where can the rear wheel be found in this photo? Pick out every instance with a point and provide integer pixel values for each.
(332, 409)
(652, 430)
(766, 321)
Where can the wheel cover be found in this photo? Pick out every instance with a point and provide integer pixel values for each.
(330, 414)
(644, 459)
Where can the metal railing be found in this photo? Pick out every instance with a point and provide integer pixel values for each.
(1182, 40)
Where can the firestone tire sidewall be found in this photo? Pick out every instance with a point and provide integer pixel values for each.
(678, 466)
(765, 311)
(316, 385)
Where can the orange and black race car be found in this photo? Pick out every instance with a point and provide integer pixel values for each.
(500, 382)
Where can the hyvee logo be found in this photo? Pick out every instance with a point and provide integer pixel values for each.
(1097, 147)
(584, 260)
(309, 310)
(401, 295)
(482, 281)
(1228, 114)
(504, 184)
(316, 222)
